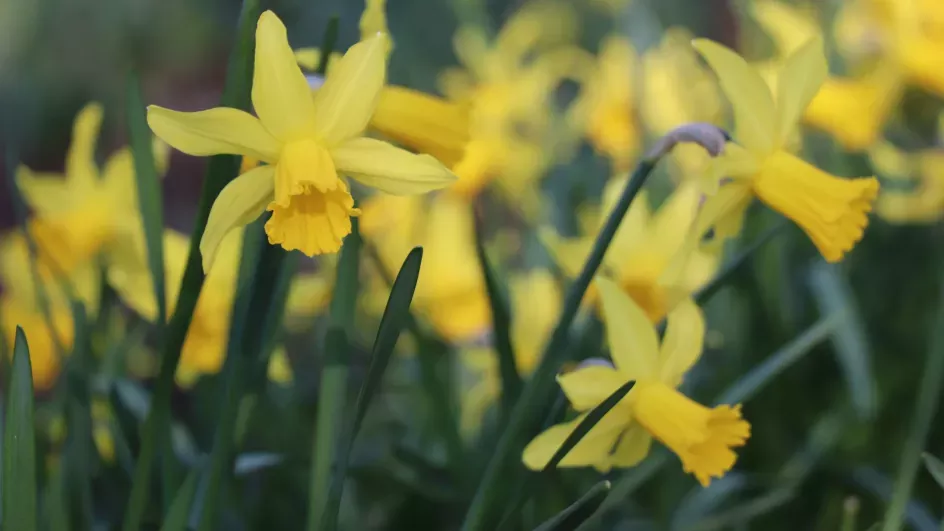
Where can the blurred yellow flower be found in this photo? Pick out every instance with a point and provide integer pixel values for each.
(918, 192)
(535, 303)
(450, 291)
(853, 109)
(87, 210)
(702, 437)
(643, 248)
(832, 211)
(606, 105)
(307, 143)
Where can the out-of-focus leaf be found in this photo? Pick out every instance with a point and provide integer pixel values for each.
(79, 446)
(579, 511)
(743, 513)
(19, 443)
(849, 339)
(254, 462)
(395, 317)
(701, 502)
(935, 467)
(178, 513)
(914, 513)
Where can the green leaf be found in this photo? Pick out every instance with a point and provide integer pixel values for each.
(79, 452)
(179, 512)
(150, 196)
(935, 467)
(736, 264)
(221, 169)
(19, 444)
(333, 380)
(501, 328)
(394, 320)
(328, 43)
(579, 511)
(535, 396)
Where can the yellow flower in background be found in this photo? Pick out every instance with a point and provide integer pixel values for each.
(702, 437)
(643, 248)
(831, 210)
(852, 109)
(606, 106)
(306, 142)
(21, 305)
(204, 347)
(676, 90)
(916, 184)
(88, 210)
(450, 291)
(535, 303)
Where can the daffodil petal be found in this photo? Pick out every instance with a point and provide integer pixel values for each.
(592, 450)
(632, 340)
(280, 93)
(390, 169)
(45, 193)
(633, 447)
(241, 201)
(802, 75)
(682, 345)
(589, 386)
(213, 132)
(346, 101)
(755, 116)
(787, 25)
(80, 160)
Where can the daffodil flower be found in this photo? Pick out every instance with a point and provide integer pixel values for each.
(832, 211)
(643, 248)
(918, 196)
(307, 142)
(702, 437)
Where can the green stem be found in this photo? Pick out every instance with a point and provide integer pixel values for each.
(220, 170)
(529, 411)
(929, 393)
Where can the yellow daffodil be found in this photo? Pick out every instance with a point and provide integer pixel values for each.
(87, 210)
(643, 248)
(606, 105)
(702, 437)
(22, 300)
(831, 210)
(450, 291)
(307, 142)
(535, 303)
(852, 109)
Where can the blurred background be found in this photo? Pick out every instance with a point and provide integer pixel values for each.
(828, 359)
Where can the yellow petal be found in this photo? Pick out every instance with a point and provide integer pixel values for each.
(674, 218)
(568, 253)
(304, 165)
(802, 75)
(308, 58)
(314, 222)
(241, 201)
(592, 450)
(755, 116)
(390, 169)
(80, 160)
(373, 19)
(682, 344)
(588, 386)
(308, 294)
(280, 93)
(280, 369)
(45, 193)
(632, 340)
(346, 101)
(213, 132)
(633, 447)
(787, 25)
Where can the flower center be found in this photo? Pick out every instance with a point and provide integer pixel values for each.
(304, 165)
(832, 211)
(701, 437)
(312, 222)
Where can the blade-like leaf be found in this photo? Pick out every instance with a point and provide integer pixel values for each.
(935, 467)
(394, 320)
(580, 510)
(179, 511)
(19, 443)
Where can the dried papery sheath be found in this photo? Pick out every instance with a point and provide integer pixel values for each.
(708, 136)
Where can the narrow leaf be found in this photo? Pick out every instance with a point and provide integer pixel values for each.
(19, 444)
(179, 512)
(394, 320)
(935, 467)
(579, 511)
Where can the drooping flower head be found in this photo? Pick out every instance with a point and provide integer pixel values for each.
(307, 143)
(831, 210)
(702, 437)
